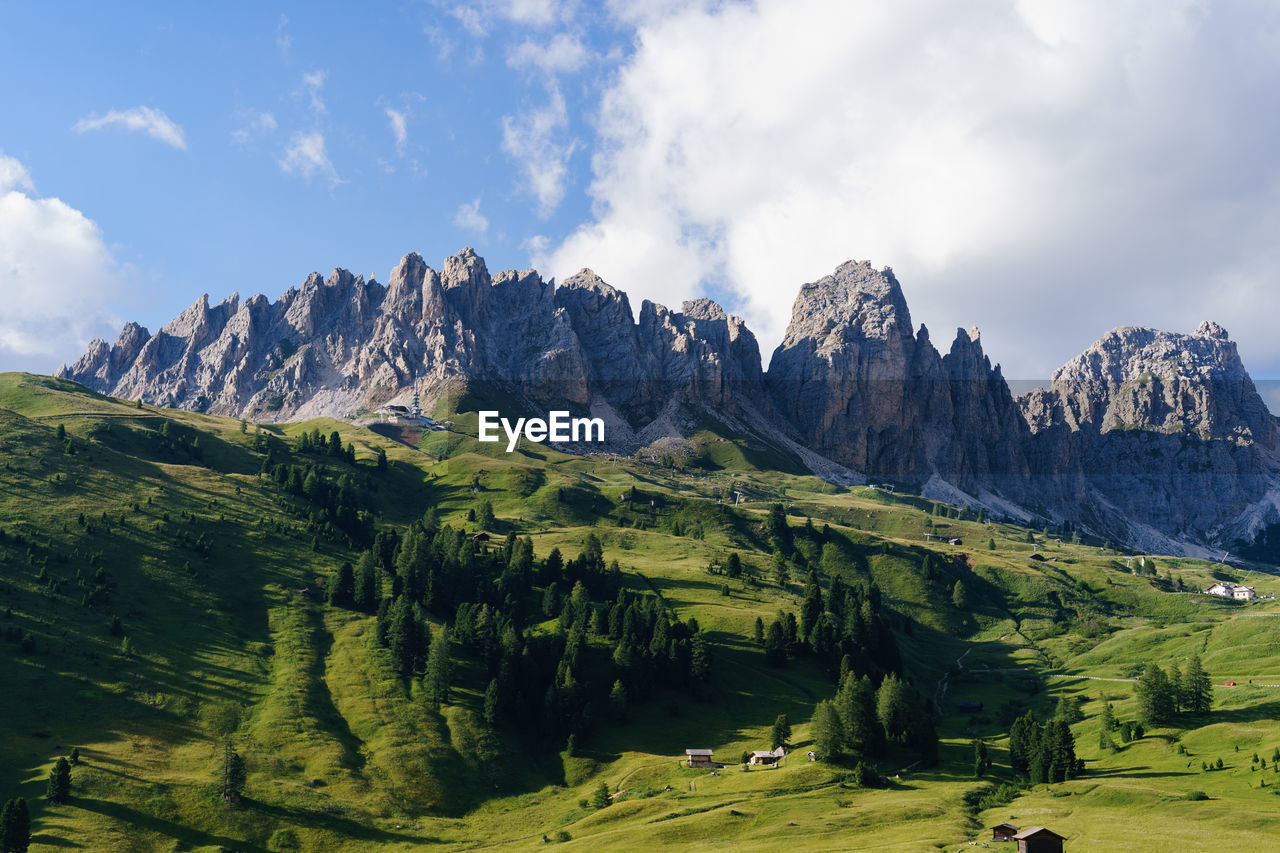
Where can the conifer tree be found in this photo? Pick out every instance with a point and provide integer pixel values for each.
(600, 799)
(781, 731)
(15, 826)
(827, 732)
(341, 590)
(893, 707)
(1155, 701)
(59, 786)
(1197, 691)
(438, 670)
(958, 597)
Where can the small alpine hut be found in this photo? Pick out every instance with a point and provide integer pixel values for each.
(1037, 839)
(1003, 832)
(760, 757)
(698, 757)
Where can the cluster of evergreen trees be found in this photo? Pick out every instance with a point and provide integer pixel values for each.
(335, 503)
(864, 718)
(314, 442)
(610, 646)
(845, 630)
(1043, 753)
(1162, 696)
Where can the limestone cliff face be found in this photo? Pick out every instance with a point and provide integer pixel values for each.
(340, 345)
(861, 387)
(1151, 438)
(1161, 435)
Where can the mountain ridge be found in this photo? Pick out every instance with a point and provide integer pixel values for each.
(1158, 439)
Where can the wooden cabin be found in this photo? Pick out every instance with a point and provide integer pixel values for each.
(1037, 839)
(1003, 832)
(765, 758)
(698, 757)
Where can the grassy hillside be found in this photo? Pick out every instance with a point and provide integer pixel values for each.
(161, 595)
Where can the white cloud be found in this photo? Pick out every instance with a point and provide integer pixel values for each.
(475, 17)
(531, 140)
(471, 18)
(14, 176)
(283, 40)
(537, 13)
(563, 54)
(56, 275)
(153, 123)
(314, 82)
(469, 218)
(253, 124)
(306, 156)
(396, 121)
(1045, 170)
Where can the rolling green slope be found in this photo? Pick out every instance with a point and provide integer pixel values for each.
(163, 594)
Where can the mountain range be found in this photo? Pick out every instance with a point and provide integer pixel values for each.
(1154, 439)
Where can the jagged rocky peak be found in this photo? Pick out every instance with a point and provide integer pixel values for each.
(857, 301)
(1135, 377)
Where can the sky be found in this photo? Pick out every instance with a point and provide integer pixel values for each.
(1043, 170)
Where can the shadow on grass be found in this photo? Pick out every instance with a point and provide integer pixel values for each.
(53, 841)
(335, 824)
(187, 835)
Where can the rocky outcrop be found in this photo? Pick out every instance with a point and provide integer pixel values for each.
(341, 345)
(1151, 438)
(1162, 437)
(860, 387)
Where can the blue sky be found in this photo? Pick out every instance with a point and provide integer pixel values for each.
(1045, 171)
(225, 211)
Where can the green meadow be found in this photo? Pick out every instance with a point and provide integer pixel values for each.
(161, 596)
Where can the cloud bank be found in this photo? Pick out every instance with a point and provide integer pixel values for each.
(56, 275)
(1044, 170)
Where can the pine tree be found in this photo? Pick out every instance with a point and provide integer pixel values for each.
(811, 608)
(600, 799)
(781, 575)
(1176, 687)
(991, 544)
(233, 774)
(59, 787)
(438, 670)
(759, 631)
(893, 707)
(618, 703)
(491, 698)
(1108, 717)
(781, 731)
(382, 459)
(775, 645)
(1155, 701)
(856, 703)
(733, 566)
(699, 660)
(827, 732)
(15, 826)
(484, 515)
(341, 591)
(958, 597)
(366, 583)
(1197, 691)
(1024, 743)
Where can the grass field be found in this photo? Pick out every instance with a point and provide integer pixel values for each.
(158, 596)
